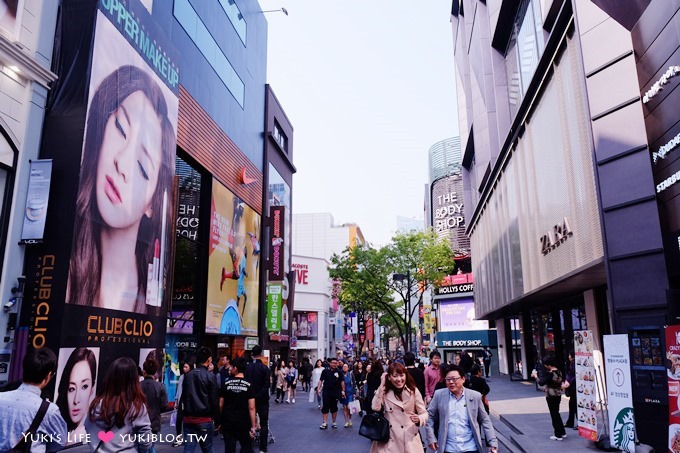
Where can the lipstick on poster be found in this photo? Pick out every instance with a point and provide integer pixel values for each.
(156, 272)
(161, 262)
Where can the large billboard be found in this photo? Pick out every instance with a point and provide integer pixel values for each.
(100, 279)
(233, 265)
(459, 314)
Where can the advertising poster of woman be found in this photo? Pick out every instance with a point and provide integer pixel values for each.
(233, 277)
(120, 253)
(76, 388)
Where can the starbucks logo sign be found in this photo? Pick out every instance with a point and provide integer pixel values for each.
(624, 430)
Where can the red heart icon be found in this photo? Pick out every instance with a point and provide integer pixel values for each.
(105, 436)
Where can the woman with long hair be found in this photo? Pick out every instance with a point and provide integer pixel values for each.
(121, 409)
(185, 367)
(404, 410)
(316, 376)
(281, 373)
(75, 392)
(122, 202)
(350, 385)
(374, 372)
(291, 381)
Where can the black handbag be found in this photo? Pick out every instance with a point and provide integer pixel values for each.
(375, 426)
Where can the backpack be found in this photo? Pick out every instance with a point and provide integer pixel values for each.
(554, 387)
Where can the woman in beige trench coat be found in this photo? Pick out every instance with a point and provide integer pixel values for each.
(404, 410)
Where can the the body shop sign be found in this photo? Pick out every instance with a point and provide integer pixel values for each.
(276, 254)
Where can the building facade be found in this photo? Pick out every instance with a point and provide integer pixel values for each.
(316, 235)
(313, 309)
(556, 227)
(26, 40)
(167, 139)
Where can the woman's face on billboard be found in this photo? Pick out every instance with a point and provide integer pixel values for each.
(80, 389)
(129, 162)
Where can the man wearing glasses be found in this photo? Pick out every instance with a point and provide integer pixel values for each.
(458, 413)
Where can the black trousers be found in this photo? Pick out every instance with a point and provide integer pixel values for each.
(554, 408)
(242, 437)
(262, 408)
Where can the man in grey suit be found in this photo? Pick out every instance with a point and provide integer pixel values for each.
(458, 413)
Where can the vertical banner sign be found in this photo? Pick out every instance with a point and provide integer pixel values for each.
(276, 252)
(233, 265)
(274, 296)
(673, 364)
(586, 386)
(37, 197)
(619, 392)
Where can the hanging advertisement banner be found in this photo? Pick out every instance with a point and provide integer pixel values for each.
(37, 198)
(673, 372)
(586, 387)
(233, 265)
(619, 392)
(274, 297)
(276, 252)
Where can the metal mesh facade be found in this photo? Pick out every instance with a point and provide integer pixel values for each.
(445, 158)
(448, 218)
(548, 182)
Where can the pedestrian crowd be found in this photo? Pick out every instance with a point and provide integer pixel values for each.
(443, 406)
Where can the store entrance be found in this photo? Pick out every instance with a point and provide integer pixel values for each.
(553, 331)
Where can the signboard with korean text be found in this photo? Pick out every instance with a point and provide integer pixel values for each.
(619, 392)
(586, 387)
(273, 318)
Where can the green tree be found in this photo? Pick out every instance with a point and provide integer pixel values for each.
(389, 282)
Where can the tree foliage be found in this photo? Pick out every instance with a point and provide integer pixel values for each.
(373, 281)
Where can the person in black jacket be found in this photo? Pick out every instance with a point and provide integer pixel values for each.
(570, 391)
(478, 383)
(552, 379)
(156, 395)
(416, 373)
(259, 377)
(200, 404)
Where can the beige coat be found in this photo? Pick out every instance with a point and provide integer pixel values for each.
(404, 436)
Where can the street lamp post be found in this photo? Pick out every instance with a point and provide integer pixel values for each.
(407, 277)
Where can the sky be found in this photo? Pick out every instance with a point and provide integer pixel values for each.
(369, 86)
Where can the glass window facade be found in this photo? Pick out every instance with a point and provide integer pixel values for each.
(235, 17)
(7, 153)
(187, 250)
(524, 50)
(200, 35)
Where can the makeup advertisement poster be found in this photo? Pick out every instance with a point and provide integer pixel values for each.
(619, 392)
(673, 372)
(586, 386)
(101, 277)
(233, 265)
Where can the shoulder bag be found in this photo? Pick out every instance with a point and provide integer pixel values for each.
(24, 444)
(375, 426)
